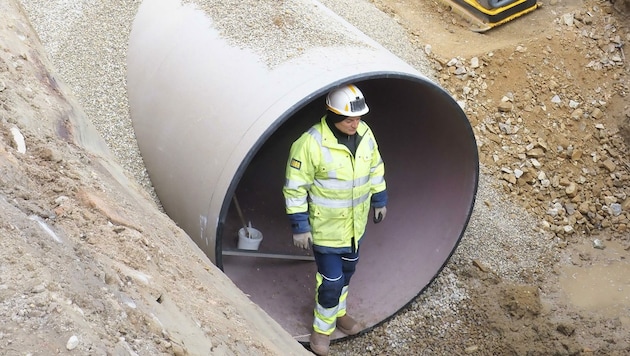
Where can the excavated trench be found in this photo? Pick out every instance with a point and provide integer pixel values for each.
(215, 121)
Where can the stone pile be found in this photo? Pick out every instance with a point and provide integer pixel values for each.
(551, 132)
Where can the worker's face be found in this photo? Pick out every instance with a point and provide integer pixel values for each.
(349, 125)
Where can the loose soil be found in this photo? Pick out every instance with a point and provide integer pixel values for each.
(546, 82)
(89, 264)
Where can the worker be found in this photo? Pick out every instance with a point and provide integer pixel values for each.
(334, 177)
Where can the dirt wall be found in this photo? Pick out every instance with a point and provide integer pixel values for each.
(88, 262)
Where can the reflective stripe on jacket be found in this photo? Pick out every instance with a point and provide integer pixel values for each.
(323, 178)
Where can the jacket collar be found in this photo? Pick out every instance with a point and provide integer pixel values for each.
(328, 137)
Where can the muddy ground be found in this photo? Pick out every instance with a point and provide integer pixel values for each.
(547, 95)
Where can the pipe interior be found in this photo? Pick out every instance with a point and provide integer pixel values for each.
(431, 169)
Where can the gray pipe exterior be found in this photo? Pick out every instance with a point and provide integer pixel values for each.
(207, 108)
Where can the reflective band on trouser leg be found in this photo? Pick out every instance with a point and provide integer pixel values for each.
(342, 302)
(325, 318)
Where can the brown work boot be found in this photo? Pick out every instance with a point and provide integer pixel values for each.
(347, 325)
(319, 343)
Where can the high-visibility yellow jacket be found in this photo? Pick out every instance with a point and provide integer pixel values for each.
(324, 179)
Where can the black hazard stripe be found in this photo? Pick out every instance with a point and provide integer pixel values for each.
(296, 164)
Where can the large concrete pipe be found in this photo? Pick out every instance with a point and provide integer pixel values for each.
(215, 111)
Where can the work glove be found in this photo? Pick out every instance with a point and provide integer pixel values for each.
(303, 240)
(379, 214)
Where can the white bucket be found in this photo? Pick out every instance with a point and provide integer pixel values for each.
(249, 243)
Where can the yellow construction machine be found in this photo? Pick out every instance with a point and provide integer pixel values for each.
(486, 14)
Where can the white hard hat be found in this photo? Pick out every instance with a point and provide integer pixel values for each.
(347, 101)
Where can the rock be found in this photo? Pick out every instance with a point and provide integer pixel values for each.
(40, 288)
(493, 137)
(179, 350)
(510, 178)
(565, 329)
(576, 154)
(506, 129)
(571, 190)
(72, 343)
(505, 106)
(18, 140)
(577, 114)
(567, 19)
(527, 177)
(521, 301)
(597, 113)
(608, 199)
(615, 209)
(563, 142)
(471, 349)
(609, 165)
(535, 152)
(474, 62)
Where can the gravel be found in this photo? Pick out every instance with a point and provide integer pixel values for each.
(87, 44)
(87, 41)
(446, 307)
(91, 59)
